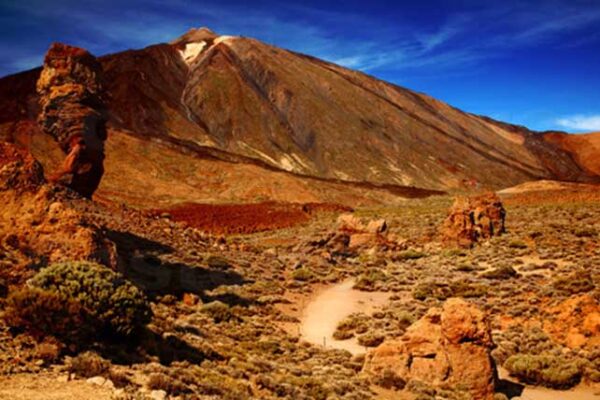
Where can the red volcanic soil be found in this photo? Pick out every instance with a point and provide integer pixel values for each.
(248, 218)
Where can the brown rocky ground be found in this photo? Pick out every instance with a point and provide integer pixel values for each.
(525, 280)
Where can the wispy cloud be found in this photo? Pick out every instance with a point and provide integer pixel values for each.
(580, 123)
(460, 39)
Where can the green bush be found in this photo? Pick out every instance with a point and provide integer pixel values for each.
(370, 339)
(218, 310)
(443, 291)
(113, 303)
(504, 272)
(42, 313)
(302, 274)
(578, 282)
(369, 280)
(546, 370)
(409, 254)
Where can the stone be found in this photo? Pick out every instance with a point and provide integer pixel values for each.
(158, 395)
(473, 219)
(101, 381)
(349, 222)
(72, 98)
(377, 226)
(447, 347)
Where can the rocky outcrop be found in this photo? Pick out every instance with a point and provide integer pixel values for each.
(473, 219)
(39, 222)
(71, 95)
(19, 171)
(575, 322)
(448, 347)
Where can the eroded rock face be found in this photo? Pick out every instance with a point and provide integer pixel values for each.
(72, 96)
(19, 171)
(575, 322)
(449, 346)
(473, 219)
(39, 223)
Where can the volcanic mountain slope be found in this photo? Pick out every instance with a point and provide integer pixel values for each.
(245, 103)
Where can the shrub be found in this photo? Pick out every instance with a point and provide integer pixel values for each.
(42, 313)
(390, 380)
(443, 291)
(113, 303)
(578, 282)
(409, 254)
(302, 274)
(517, 244)
(370, 279)
(172, 386)
(504, 272)
(370, 339)
(88, 365)
(550, 371)
(218, 310)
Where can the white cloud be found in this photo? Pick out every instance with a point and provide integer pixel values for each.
(580, 122)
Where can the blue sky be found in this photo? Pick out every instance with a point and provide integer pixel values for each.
(535, 63)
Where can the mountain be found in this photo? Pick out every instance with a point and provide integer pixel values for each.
(223, 118)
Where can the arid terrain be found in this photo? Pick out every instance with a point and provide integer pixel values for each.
(268, 225)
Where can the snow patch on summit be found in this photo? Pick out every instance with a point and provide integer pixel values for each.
(191, 51)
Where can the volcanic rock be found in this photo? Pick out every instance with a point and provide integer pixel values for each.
(19, 171)
(449, 346)
(71, 95)
(473, 219)
(39, 221)
(575, 322)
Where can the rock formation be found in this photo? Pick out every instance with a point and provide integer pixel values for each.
(39, 222)
(71, 91)
(473, 219)
(449, 346)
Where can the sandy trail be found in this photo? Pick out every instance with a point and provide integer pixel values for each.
(332, 304)
(323, 313)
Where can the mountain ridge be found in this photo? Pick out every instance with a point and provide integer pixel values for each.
(237, 99)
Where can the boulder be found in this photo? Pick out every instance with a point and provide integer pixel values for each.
(574, 322)
(473, 219)
(39, 222)
(448, 347)
(71, 95)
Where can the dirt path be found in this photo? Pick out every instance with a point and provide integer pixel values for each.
(330, 306)
(49, 387)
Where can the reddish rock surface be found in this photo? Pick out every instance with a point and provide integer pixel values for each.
(71, 95)
(18, 169)
(449, 346)
(38, 223)
(247, 218)
(575, 322)
(473, 219)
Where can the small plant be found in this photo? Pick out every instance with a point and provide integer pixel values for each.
(504, 272)
(42, 313)
(218, 310)
(370, 279)
(370, 339)
(88, 364)
(390, 380)
(172, 386)
(551, 371)
(578, 282)
(303, 275)
(409, 254)
(113, 303)
(517, 244)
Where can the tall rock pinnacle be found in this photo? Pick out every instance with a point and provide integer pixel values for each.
(72, 95)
